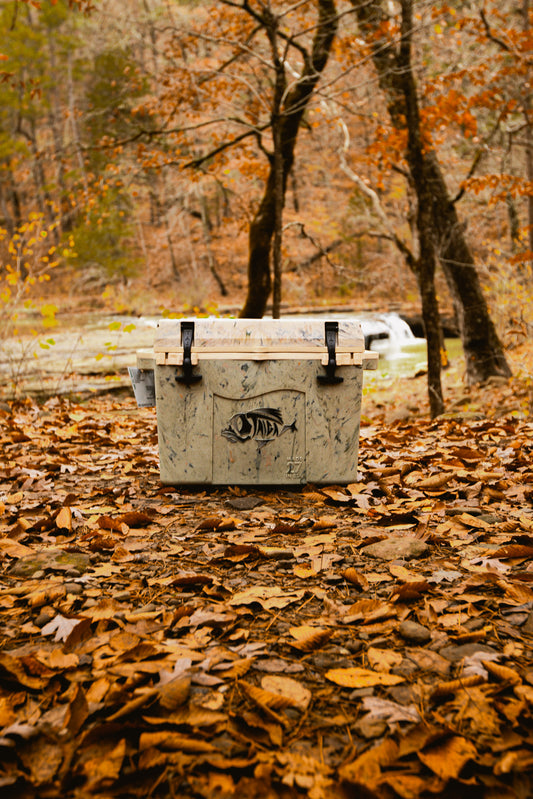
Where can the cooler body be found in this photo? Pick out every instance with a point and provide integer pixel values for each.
(258, 402)
(258, 423)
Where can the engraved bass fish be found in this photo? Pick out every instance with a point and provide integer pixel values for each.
(261, 425)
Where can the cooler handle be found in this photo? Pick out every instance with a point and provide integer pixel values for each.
(187, 338)
(330, 378)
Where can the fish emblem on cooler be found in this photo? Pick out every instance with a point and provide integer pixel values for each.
(261, 425)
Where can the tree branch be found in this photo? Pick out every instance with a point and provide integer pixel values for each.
(196, 162)
(373, 197)
(490, 34)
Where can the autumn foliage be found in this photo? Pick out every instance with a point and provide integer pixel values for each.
(373, 639)
(152, 142)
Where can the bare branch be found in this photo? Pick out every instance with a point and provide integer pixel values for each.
(373, 197)
(321, 251)
(490, 34)
(196, 162)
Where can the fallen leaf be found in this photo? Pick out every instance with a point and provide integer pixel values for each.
(61, 626)
(356, 677)
(448, 757)
(356, 578)
(267, 596)
(63, 520)
(309, 639)
(291, 690)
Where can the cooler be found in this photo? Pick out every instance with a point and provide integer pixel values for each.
(258, 402)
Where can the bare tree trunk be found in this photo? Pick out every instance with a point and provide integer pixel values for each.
(483, 351)
(206, 228)
(529, 140)
(295, 102)
(9, 194)
(277, 165)
(427, 261)
(54, 116)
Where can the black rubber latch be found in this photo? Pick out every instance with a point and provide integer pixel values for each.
(187, 338)
(330, 378)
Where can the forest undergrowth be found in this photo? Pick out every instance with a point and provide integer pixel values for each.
(371, 639)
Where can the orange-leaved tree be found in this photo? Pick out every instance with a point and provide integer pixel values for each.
(239, 79)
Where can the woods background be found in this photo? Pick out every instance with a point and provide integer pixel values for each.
(137, 138)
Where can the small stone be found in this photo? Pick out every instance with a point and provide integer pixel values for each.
(359, 693)
(404, 693)
(354, 646)
(474, 624)
(52, 559)
(323, 661)
(72, 573)
(244, 503)
(472, 511)
(74, 588)
(370, 728)
(332, 578)
(412, 631)
(527, 627)
(490, 518)
(397, 548)
(46, 615)
(149, 608)
(457, 653)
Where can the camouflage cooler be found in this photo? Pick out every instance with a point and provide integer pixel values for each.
(259, 402)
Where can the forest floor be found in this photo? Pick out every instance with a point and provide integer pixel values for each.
(370, 640)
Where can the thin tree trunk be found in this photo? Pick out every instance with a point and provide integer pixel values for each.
(295, 103)
(529, 140)
(483, 351)
(208, 244)
(277, 165)
(482, 348)
(54, 117)
(426, 262)
(278, 222)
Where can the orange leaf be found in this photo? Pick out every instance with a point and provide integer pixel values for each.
(444, 689)
(107, 523)
(217, 523)
(448, 757)
(411, 590)
(513, 551)
(366, 769)
(357, 677)
(356, 578)
(310, 638)
(134, 519)
(290, 690)
(63, 519)
(174, 693)
(502, 673)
